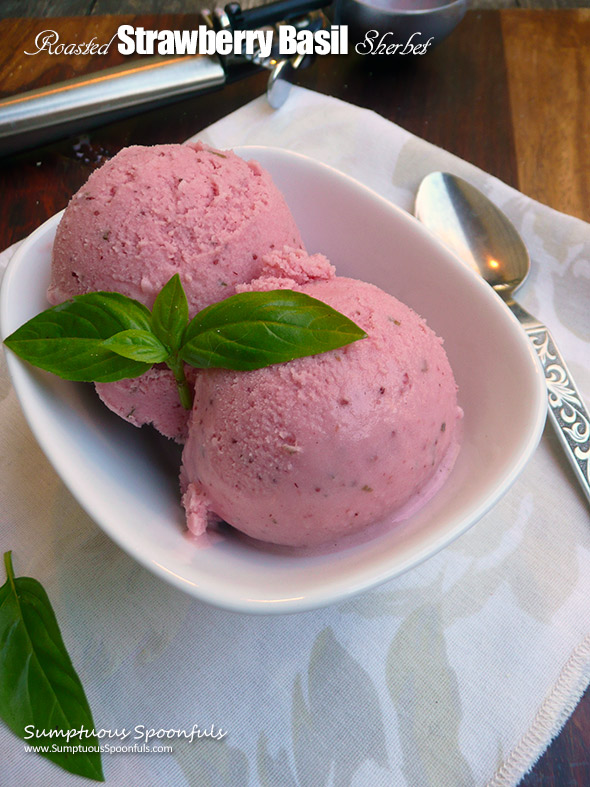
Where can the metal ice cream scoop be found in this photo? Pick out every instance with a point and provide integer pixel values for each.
(479, 233)
(39, 116)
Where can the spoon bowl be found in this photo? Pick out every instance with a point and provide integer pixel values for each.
(479, 233)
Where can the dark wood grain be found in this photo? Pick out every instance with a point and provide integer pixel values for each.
(566, 763)
(479, 95)
(538, 54)
(53, 8)
(45, 8)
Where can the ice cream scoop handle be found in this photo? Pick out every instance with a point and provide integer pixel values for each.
(41, 115)
(567, 411)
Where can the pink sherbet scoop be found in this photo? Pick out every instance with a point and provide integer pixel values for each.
(305, 452)
(151, 212)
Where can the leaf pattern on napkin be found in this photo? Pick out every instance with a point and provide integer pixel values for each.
(105, 578)
(426, 695)
(340, 725)
(552, 242)
(5, 384)
(375, 604)
(566, 262)
(210, 763)
(311, 750)
(541, 588)
(24, 467)
(577, 322)
(276, 770)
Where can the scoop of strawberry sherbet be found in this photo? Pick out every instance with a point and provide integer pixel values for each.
(151, 212)
(306, 452)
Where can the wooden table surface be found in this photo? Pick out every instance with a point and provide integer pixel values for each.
(507, 92)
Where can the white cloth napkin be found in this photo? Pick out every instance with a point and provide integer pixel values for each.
(457, 673)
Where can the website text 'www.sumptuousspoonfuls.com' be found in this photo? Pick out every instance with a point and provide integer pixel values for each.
(139, 740)
(103, 748)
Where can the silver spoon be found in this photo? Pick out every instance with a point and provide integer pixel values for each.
(480, 234)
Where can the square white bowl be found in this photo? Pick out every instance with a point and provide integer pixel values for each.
(126, 478)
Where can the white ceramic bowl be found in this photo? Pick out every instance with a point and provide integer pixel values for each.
(126, 478)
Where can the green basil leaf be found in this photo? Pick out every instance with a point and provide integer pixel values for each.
(170, 313)
(67, 339)
(138, 346)
(256, 329)
(38, 683)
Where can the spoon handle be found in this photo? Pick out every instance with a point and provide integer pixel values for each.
(567, 412)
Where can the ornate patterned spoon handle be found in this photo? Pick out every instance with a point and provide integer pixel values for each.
(567, 411)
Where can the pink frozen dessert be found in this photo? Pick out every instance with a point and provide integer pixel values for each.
(151, 212)
(306, 452)
(150, 399)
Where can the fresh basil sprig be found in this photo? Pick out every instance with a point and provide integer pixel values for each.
(39, 686)
(103, 337)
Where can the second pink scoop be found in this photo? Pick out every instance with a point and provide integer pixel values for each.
(306, 452)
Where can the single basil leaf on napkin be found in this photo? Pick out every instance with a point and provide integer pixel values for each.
(67, 339)
(137, 346)
(38, 683)
(170, 313)
(256, 329)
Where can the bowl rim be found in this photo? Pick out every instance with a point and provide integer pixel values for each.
(216, 593)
